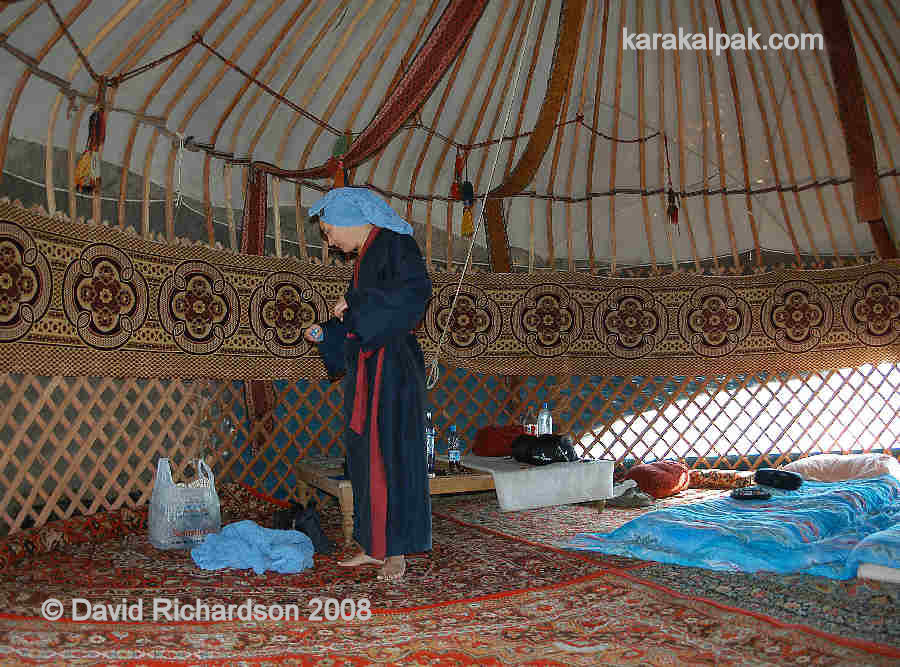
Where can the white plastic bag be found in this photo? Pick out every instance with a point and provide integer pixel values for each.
(182, 515)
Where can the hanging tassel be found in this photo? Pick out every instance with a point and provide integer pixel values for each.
(468, 224)
(468, 194)
(468, 197)
(455, 191)
(342, 144)
(87, 171)
(672, 209)
(339, 176)
(83, 173)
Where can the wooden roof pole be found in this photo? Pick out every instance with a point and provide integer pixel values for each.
(720, 150)
(159, 24)
(613, 162)
(404, 63)
(411, 132)
(704, 142)
(742, 140)
(415, 175)
(642, 146)
(589, 176)
(857, 132)
(770, 145)
(173, 101)
(261, 62)
(275, 104)
(588, 62)
(22, 18)
(23, 79)
(501, 61)
(880, 86)
(274, 69)
(123, 184)
(440, 164)
(804, 133)
(195, 105)
(663, 147)
(101, 35)
(682, 163)
(568, 38)
(338, 95)
(148, 98)
(313, 89)
(368, 87)
(554, 165)
(839, 193)
(485, 152)
(133, 54)
(520, 117)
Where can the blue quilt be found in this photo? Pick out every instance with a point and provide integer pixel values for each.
(814, 529)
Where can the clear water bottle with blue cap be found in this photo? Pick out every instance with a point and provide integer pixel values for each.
(454, 451)
(430, 441)
(545, 421)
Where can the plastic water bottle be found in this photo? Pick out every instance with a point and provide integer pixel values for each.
(454, 451)
(545, 421)
(430, 440)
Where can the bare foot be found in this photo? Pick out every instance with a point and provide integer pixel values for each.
(394, 568)
(362, 558)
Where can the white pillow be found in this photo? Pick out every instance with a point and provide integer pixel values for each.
(840, 467)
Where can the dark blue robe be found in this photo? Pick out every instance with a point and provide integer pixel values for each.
(387, 299)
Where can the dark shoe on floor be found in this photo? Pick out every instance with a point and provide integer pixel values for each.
(632, 497)
(307, 521)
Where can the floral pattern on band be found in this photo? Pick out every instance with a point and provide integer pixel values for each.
(797, 316)
(104, 296)
(25, 282)
(871, 309)
(281, 309)
(547, 320)
(714, 320)
(198, 307)
(631, 322)
(475, 322)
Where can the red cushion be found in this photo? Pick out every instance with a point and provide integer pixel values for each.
(496, 440)
(660, 479)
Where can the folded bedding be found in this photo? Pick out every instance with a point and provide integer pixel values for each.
(813, 529)
(880, 548)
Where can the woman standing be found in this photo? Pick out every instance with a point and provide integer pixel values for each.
(371, 339)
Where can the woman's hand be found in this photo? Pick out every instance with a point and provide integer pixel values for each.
(314, 334)
(340, 308)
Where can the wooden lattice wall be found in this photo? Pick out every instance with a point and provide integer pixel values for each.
(76, 445)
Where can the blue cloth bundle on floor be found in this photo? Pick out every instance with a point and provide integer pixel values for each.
(245, 544)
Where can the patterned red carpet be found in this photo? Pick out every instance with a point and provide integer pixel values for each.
(478, 598)
(860, 609)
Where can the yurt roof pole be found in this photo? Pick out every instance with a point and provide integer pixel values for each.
(857, 130)
(568, 36)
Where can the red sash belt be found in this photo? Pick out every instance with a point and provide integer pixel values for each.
(360, 402)
(378, 496)
(361, 395)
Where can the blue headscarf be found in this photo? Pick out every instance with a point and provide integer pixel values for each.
(351, 207)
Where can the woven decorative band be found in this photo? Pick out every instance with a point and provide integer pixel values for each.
(79, 299)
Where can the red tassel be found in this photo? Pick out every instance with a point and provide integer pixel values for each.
(672, 208)
(339, 174)
(460, 165)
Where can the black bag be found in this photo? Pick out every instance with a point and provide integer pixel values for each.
(544, 449)
(306, 520)
(780, 479)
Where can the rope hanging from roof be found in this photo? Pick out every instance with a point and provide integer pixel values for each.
(434, 370)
